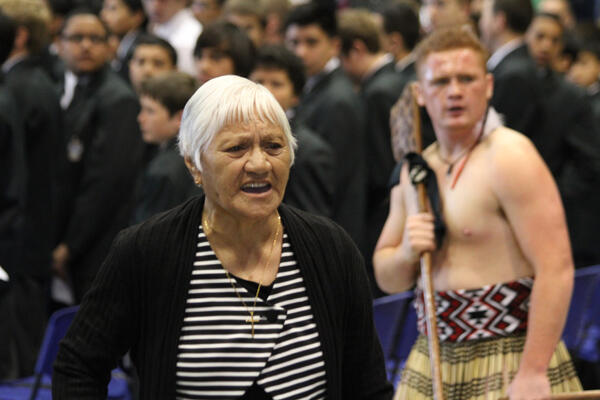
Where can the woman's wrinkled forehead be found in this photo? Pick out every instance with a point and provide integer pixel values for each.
(264, 127)
(250, 116)
(239, 127)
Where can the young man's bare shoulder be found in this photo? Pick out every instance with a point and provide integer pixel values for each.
(507, 146)
(513, 157)
(503, 137)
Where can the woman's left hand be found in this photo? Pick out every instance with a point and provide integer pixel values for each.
(60, 257)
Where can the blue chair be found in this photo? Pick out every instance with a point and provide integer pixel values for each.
(583, 311)
(39, 386)
(396, 325)
(586, 345)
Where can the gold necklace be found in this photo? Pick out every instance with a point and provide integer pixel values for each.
(251, 319)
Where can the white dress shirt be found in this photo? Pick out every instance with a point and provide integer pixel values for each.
(182, 31)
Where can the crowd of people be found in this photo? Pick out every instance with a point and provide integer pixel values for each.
(96, 137)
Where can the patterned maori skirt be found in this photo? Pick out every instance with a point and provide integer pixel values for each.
(482, 334)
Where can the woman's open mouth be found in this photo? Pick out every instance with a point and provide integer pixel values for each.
(256, 187)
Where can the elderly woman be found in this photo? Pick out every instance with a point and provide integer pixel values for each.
(231, 295)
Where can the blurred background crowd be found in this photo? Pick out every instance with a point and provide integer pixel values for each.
(92, 92)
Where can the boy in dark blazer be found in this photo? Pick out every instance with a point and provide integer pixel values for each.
(330, 107)
(165, 181)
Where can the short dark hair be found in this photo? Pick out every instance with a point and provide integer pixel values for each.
(60, 7)
(8, 30)
(134, 5)
(518, 13)
(570, 46)
(590, 47)
(83, 10)
(313, 13)
(402, 17)
(171, 89)
(281, 58)
(445, 39)
(552, 16)
(153, 40)
(232, 41)
(587, 39)
(357, 24)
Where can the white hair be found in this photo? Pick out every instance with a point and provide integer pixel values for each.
(225, 101)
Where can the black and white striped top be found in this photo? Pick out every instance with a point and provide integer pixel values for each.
(217, 356)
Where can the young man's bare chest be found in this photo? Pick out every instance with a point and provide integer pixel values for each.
(478, 236)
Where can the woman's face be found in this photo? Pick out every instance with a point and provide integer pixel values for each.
(245, 170)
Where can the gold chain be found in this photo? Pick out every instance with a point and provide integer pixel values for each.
(250, 319)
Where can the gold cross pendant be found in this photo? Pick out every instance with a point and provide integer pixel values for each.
(252, 319)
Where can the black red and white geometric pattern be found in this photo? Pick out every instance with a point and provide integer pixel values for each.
(470, 314)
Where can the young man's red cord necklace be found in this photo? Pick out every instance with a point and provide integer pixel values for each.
(463, 157)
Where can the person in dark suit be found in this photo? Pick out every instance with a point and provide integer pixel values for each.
(585, 70)
(517, 90)
(104, 150)
(37, 101)
(401, 31)
(165, 182)
(568, 141)
(544, 40)
(330, 107)
(13, 181)
(312, 177)
(380, 86)
(48, 58)
(125, 19)
(12, 163)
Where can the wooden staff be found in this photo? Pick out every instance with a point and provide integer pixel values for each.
(587, 394)
(426, 281)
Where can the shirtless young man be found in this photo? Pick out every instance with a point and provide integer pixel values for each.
(504, 225)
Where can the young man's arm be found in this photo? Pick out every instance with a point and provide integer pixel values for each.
(404, 237)
(531, 202)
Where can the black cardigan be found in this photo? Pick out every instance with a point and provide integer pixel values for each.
(137, 302)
